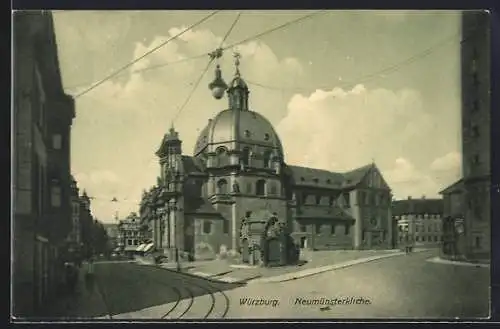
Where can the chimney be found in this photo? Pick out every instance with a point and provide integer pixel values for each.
(423, 197)
(409, 197)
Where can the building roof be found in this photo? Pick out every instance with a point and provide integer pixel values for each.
(323, 212)
(193, 164)
(252, 128)
(453, 188)
(417, 206)
(200, 206)
(304, 176)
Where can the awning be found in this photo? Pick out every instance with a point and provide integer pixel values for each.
(141, 247)
(148, 247)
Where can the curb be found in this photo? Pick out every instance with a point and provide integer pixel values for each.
(195, 276)
(439, 260)
(335, 267)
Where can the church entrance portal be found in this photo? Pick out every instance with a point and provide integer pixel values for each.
(244, 251)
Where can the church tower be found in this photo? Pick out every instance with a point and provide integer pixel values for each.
(171, 219)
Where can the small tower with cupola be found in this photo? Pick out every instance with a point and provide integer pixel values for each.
(171, 181)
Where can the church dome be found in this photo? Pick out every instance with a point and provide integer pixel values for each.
(253, 128)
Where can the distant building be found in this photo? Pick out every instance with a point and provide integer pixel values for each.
(41, 192)
(130, 234)
(75, 235)
(86, 225)
(237, 168)
(421, 218)
(112, 231)
(467, 202)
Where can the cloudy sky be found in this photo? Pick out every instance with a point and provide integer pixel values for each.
(341, 88)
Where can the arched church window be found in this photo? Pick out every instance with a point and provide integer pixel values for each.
(247, 133)
(245, 156)
(222, 157)
(267, 159)
(266, 137)
(222, 186)
(261, 187)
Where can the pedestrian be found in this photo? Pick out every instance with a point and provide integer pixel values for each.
(71, 278)
(89, 275)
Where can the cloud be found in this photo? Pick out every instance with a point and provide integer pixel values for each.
(449, 162)
(350, 127)
(341, 129)
(406, 180)
(121, 122)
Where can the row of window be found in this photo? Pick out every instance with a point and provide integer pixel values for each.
(421, 228)
(345, 199)
(246, 157)
(425, 238)
(318, 228)
(132, 242)
(261, 188)
(419, 216)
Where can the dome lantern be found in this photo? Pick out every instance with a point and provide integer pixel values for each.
(238, 89)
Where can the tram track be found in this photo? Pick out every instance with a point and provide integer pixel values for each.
(194, 297)
(210, 289)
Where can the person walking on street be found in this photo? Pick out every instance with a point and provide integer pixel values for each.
(89, 275)
(71, 277)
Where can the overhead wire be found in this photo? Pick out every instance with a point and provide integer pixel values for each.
(387, 70)
(205, 70)
(257, 36)
(203, 55)
(117, 72)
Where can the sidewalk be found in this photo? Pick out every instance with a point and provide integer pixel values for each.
(86, 303)
(312, 263)
(440, 260)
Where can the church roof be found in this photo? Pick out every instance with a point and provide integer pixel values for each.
(253, 129)
(193, 165)
(304, 176)
(453, 188)
(323, 212)
(200, 206)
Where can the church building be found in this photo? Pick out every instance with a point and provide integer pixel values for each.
(238, 169)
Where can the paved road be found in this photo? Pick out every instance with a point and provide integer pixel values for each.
(397, 287)
(128, 288)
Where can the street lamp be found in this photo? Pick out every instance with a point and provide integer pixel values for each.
(218, 86)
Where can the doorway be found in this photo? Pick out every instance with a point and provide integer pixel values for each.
(303, 242)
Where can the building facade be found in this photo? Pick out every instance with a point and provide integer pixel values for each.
(237, 168)
(130, 234)
(42, 118)
(421, 218)
(474, 224)
(112, 232)
(75, 236)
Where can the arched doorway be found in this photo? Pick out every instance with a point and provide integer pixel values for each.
(273, 251)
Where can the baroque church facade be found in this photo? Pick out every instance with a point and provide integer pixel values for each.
(238, 169)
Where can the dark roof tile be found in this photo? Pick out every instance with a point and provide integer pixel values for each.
(417, 206)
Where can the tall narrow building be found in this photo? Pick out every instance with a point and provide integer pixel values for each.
(476, 131)
(467, 222)
(41, 179)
